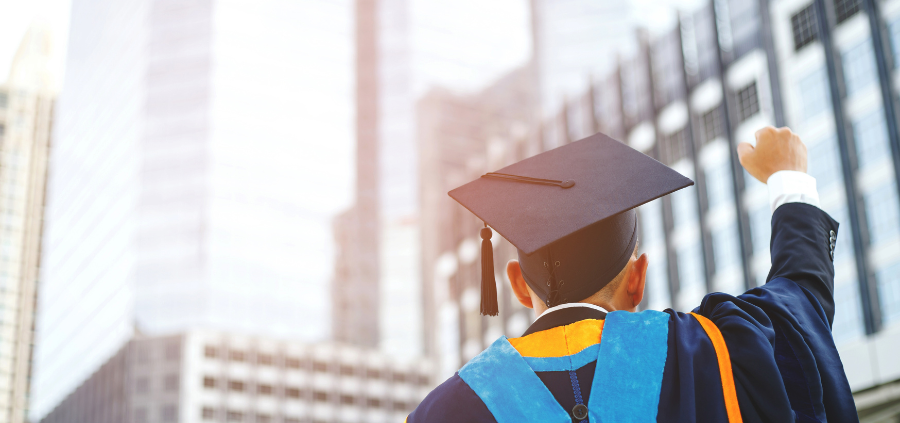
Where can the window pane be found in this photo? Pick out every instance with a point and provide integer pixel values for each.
(690, 268)
(760, 227)
(719, 184)
(870, 136)
(684, 206)
(814, 95)
(847, 311)
(747, 102)
(803, 26)
(882, 213)
(825, 164)
(726, 247)
(859, 67)
(889, 292)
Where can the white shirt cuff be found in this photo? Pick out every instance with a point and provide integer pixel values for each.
(788, 186)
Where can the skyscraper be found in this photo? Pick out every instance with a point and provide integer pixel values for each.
(26, 118)
(355, 288)
(200, 150)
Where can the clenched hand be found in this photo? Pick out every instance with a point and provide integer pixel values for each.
(776, 149)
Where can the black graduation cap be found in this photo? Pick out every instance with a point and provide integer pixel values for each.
(569, 212)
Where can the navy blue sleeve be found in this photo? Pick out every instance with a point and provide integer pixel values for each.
(452, 401)
(801, 247)
(784, 361)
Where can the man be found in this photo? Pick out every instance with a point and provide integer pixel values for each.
(764, 356)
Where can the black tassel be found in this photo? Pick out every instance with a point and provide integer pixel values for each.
(488, 283)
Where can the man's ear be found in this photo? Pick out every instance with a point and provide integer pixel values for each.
(517, 282)
(637, 279)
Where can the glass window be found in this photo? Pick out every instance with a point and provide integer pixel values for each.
(667, 68)
(825, 164)
(690, 267)
(814, 95)
(169, 413)
(894, 33)
(870, 136)
(744, 26)
(844, 9)
(719, 184)
(3, 99)
(209, 413)
(658, 283)
(847, 311)
(707, 42)
(803, 26)
(684, 206)
(674, 146)
(760, 227)
(859, 67)
(712, 124)
(726, 247)
(888, 279)
(170, 383)
(882, 213)
(747, 102)
(651, 223)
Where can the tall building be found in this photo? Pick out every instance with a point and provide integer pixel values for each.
(212, 376)
(200, 149)
(409, 47)
(456, 134)
(688, 95)
(574, 40)
(26, 118)
(355, 288)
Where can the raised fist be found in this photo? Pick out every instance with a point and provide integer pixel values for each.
(776, 149)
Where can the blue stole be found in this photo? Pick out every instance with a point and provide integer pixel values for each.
(626, 384)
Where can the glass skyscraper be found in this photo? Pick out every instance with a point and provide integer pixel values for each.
(200, 150)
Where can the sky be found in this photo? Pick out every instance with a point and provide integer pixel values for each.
(17, 15)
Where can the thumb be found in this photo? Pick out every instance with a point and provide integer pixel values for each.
(745, 150)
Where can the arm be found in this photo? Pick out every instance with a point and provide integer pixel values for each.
(803, 236)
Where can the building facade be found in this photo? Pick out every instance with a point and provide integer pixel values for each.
(209, 376)
(191, 185)
(26, 120)
(355, 288)
(689, 95)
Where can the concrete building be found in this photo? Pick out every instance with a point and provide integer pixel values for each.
(687, 97)
(200, 151)
(211, 376)
(26, 118)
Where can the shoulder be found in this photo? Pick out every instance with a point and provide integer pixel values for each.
(452, 401)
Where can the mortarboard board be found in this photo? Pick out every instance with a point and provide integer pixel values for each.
(569, 212)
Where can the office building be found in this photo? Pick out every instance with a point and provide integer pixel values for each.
(687, 97)
(575, 40)
(355, 287)
(191, 184)
(26, 118)
(211, 376)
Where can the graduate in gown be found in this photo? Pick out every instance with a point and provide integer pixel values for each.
(764, 356)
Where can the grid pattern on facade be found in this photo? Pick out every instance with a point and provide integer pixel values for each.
(844, 9)
(747, 102)
(803, 26)
(712, 124)
(674, 146)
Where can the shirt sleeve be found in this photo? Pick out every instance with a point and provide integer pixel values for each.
(789, 186)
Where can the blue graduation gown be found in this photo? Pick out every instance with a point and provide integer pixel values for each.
(784, 363)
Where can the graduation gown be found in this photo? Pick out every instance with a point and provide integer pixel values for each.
(764, 356)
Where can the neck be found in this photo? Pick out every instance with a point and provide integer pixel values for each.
(542, 310)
